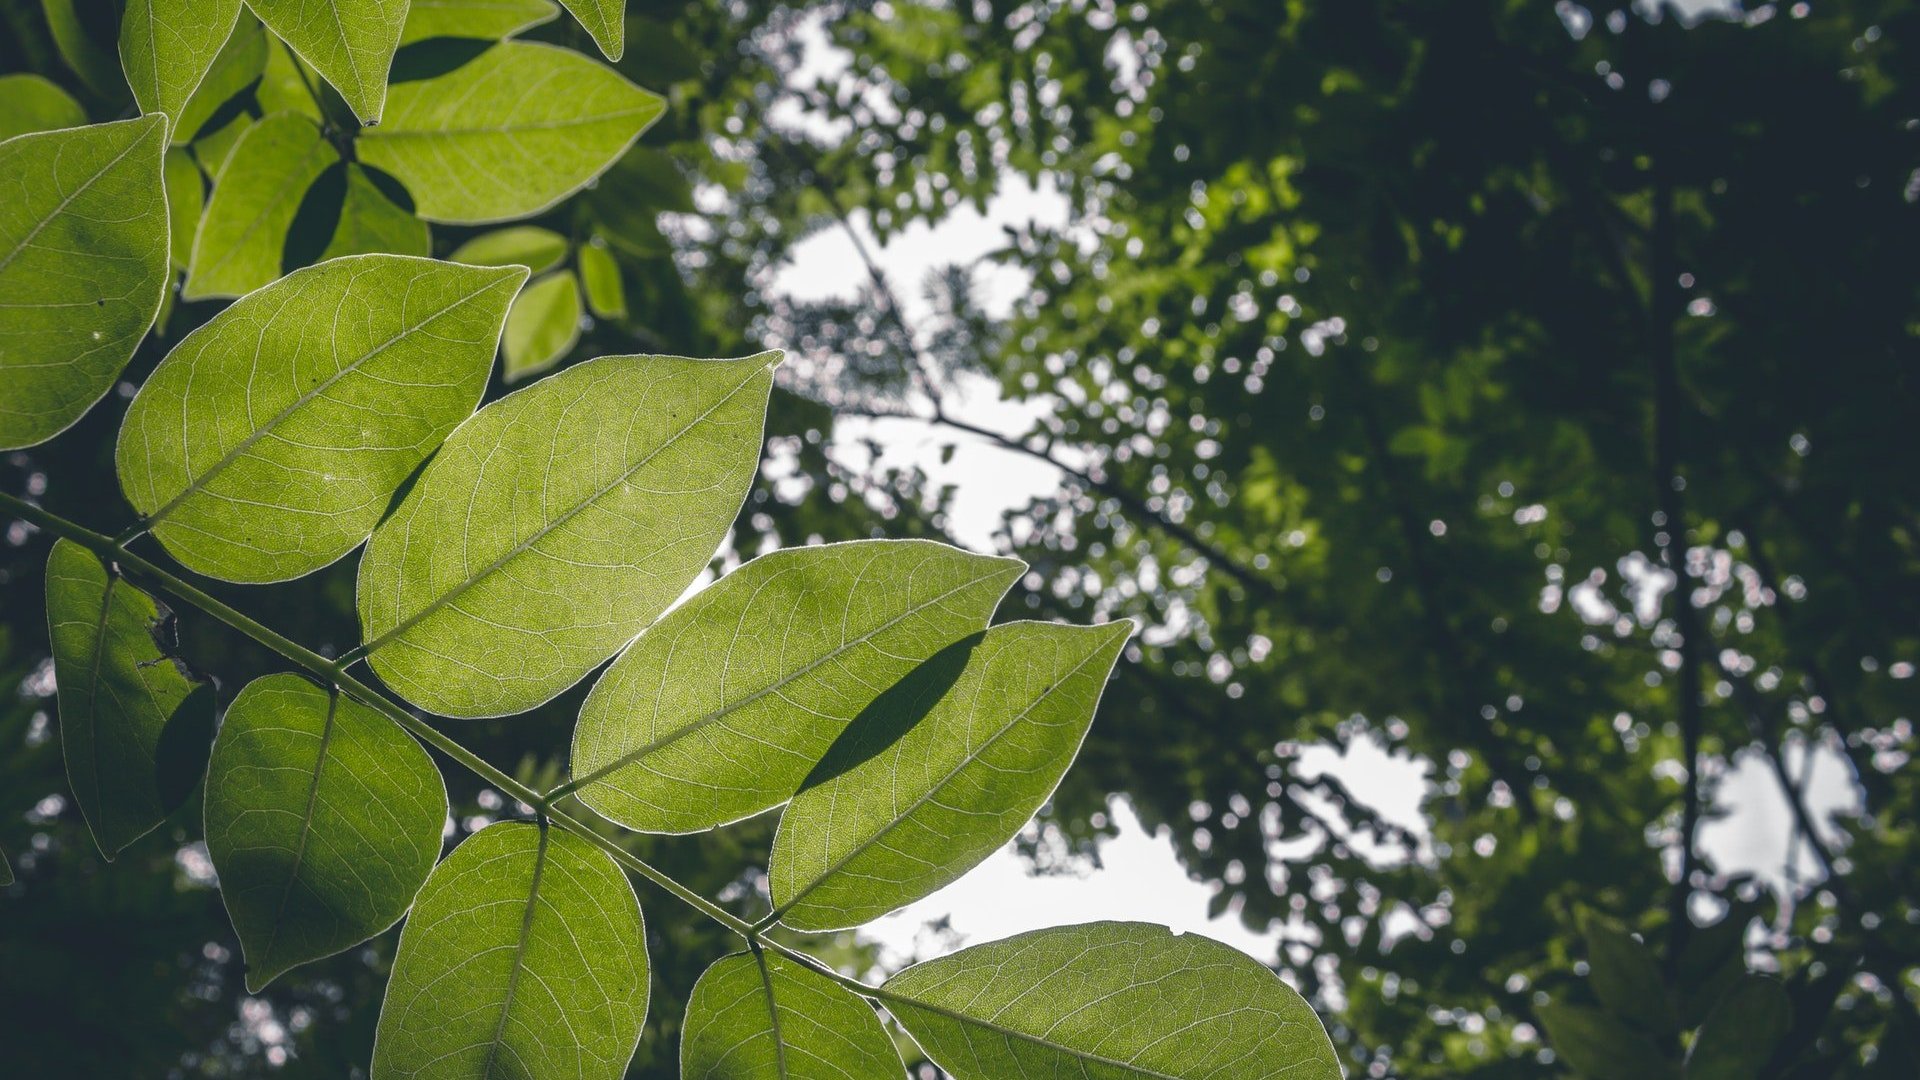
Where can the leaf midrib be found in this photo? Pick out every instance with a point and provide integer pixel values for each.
(773, 1012)
(519, 953)
(306, 830)
(68, 201)
(886, 995)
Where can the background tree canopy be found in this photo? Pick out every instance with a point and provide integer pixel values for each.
(1530, 390)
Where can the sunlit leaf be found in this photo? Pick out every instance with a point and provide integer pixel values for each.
(524, 957)
(236, 67)
(322, 819)
(83, 263)
(507, 134)
(609, 484)
(349, 42)
(1602, 1047)
(271, 439)
(256, 194)
(530, 246)
(760, 1016)
(488, 20)
(544, 324)
(286, 84)
(212, 150)
(31, 103)
(722, 708)
(600, 276)
(370, 223)
(118, 696)
(167, 47)
(186, 201)
(606, 20)
(1109, 1001)
(1739, 1035)
(939, 772)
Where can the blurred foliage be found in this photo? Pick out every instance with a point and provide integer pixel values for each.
(1529, 390)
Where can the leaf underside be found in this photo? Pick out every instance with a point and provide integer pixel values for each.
(760, 1016)
(349, 42)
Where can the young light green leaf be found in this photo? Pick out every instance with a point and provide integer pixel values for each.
(530, 246)
(370, 223)
(760, 1016)
(721, 709)
(543, 325)
(87, 47)
(1741, 1032)
(322, 819)
(30, 103)
(256, 194)
(1601, 1047)
(186, 200)
(600, 274)
(606, 20)
(212, 150)
(270, 440)
(349, 42)
(83, 264)
(1109, 1001)
(1626, 978)
(118, 696)
(939, 772)
(236, 67)
(507, 134)
(610, 484)
(488, 20)
(167, 47)
(525, 956)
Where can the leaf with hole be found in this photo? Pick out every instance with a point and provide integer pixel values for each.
(83, 264)
(507, 134)
(609, 484)
(488, 20)
(371, 223)
(1109, 1001)
(168, 46)
(721, 709)
(349, 42)
(30, 103)
(530, 246)
(119, 695)
(542, 327)
(322, 820)
(761, 1016)
(939, 771)
(256, 195)
(524, 956)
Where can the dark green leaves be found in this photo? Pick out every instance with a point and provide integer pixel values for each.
(507, 134)
(1603, 1047)
(1625, 976)
(268, 443)
(524, 957)
(83, 264)
(121, 699)
(555, 524)
(943, 769)
(323, 819)
(1109, 1001)
(349, 42)
(1741, 1032)
(30, 103)
(760, 1016)
(167, 47)
(255, 197)
(721, 709)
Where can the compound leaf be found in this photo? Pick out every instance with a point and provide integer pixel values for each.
(544, 324)
(507, 134)
(167, 47)
(1109, 1001)
(721, 709)
(370, 223)
(530, 246)
(525, 956)
(322, 819)
(609, 484)
(83, 266)
(118, 696)
(488, 20)
(256, 195)
(30, 103)
(271, 439)
(760, 1016)
(349, 42)
(939, 772)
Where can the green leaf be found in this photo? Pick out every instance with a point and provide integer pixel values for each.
(544, 324)
(83, 264)
(286, 85)
(30, 103)
(271, 439)
(1739, 1035)
(1109, 1001)
(600, 274)
(939, 772)
(507, 134)
(255, 197)
(167, 47)
(236, 67)
(525, 956)
(186, 200)
(1626, 977)
(349, 42)
(760, 1016)
(212, 151)
(370, 223)
(488, 20)
(89, 56)
(6, 869)
(721, 709)
(1601, 1047)
(606, 20)
(530, 246)
(610, 483)
(322, 819)
(118, 696)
